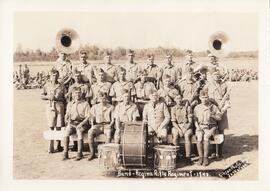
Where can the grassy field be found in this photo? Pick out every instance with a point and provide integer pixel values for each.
(31, 160)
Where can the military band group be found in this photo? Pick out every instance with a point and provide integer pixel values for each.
(182, 101)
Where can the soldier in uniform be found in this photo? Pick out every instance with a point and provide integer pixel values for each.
(100, 86)
(168, 92)
(120, 86)
(157, 117)
(143, 89)
(77, 120)
(102, 121)
(189, 88)
(206, 117)
(85, 88)
(153, 72)
(133, 69)
(125, 111)
(64, 67)
(54, 93)
(170, 70)
(181, 117)
(219, 95)
(109, 69)
(87, 70)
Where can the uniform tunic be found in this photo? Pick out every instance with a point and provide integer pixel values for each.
(88, 72)
(64, 68)
(55, 109)
(133, 71)
(110, 72)
(100, 87)
(119, 88)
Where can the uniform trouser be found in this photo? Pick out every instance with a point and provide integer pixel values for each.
(117, 134)
(161, 133)
(97, 130)
(72, 130)
(186, 133)
(51, 142)
(203, 135)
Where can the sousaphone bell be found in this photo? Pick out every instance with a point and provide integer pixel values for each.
(67, 41)
(218, 44)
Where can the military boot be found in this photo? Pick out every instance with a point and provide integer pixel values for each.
(92, 151)
(79, 153)
(51, 147)
(200, 151)
(58, 146)
(66, 143)
(206, 153)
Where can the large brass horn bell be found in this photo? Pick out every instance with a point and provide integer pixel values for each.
(67, 41)
(218, 44)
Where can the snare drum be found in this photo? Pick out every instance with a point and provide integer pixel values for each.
(165, 157)
(109, 156)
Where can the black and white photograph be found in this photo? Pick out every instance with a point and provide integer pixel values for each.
(136, 95)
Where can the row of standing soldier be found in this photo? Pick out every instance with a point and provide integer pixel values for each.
(95, 99)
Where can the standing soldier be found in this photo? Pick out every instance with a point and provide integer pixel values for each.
(170, 70)
(77, 120)
(100, 86)
(85, 88)
(181, 115)
(133, 69)
(64, 67)
(206, 117)
(121, 86)
(125, 111)
(109, 69)
(54, 93)
(219, 95)
(153, 72)
(102, 121)
(87, 70)
(157, 117)
(168, 92)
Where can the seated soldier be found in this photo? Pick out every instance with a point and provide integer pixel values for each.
(100, 86)
(168, 92)
(206, 116)
(143, 90)
(125, 111)
(85, 88)
(157, 117)
(77, 119)
(121, 86)
(102, 121)
(181, 115)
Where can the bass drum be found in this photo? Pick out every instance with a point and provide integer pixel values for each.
(133, 142)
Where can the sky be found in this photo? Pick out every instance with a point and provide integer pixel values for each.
(186, 30)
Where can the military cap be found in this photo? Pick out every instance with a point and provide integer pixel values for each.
(189, 70)
(203, 93)
(169, 55)
(76, 73)
(54, 72)
(108, 53)
(83, 52)
(130, 52)
(100, 71)
(77, 89)
(102, 95)
(179, 96)
(121, 70)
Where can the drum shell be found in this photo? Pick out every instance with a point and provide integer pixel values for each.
(165, 157)
(109, 156)
(133, 143)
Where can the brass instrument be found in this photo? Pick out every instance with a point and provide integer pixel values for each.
(218, 44)
(67, 41)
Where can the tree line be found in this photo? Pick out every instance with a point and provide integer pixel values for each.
(119, 53)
